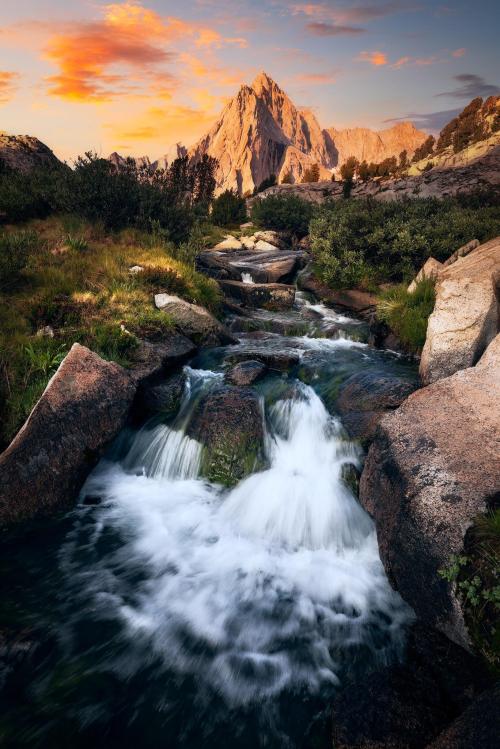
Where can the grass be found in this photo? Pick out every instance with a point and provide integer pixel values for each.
(407, 314)
(70, 281)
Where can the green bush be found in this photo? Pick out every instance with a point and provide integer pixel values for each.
(407, 313)
(15, 250)
(283, 213)
(228, 209)
(390, 241)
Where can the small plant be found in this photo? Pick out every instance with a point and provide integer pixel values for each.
(78, 244)
(407, 313)
(43, 360)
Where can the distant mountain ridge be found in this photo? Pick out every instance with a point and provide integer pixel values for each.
(261, 132)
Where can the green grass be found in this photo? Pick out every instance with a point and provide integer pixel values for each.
(72, 276)
(407, 314)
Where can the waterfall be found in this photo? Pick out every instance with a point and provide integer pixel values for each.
(274, 585)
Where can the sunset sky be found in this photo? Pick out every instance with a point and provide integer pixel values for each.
(137, 76)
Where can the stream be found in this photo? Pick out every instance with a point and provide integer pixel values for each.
(165, 611)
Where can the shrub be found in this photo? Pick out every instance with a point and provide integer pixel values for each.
(268, 182)
(407, 313)
(311, 174)
(287, 179)
(394, 239)
(15, 250)
(228, 209)
(283, 213)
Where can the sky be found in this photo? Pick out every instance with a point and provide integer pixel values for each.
(137, 76)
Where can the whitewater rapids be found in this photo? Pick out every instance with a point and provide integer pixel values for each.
(274, 585)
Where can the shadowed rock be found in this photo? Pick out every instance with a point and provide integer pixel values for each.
(271, 296)
(246, 372)
(194, 321)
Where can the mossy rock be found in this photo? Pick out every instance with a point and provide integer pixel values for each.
(228, 422)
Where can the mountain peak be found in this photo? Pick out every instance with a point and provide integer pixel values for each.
(263, 82)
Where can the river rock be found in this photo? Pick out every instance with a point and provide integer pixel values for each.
(229, 243)
(271, 266)
(272, 238)
(478, 726)
(432, 468)
(82, 408)
(162, 396)
(246, 372)
(406, 705)
(465, 317)
(280, 361)
(151, 360)
(430, 269)
(229, 424)
(194, 321)
(365, 397)
(271, 296)
(361, 302)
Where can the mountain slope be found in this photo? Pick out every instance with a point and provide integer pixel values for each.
(24, 153)
(261, 132)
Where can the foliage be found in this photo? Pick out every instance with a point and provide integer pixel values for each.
(86, 296)
(425, 149)
(354, 240)
(349, 168)
(268, 182)
(114, 196)
(78, 244)
(228, 209)
(311, 174)
(407, 313)
(476, 578)
(283, 213)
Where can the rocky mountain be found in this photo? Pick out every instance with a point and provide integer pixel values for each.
(177, 150)
(261, 132)
(24, 153)
(375, 145)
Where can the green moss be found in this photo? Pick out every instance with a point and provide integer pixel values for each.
(228, 462)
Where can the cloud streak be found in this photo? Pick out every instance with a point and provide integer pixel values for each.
(8, 85)
(471, 85)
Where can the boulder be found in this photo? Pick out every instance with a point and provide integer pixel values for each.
(229, 243)
(162, 396)
(272, 238)
(272, 266)
(365, 397)
(82, 408)
(433, 467)
(430, 269)
(229, 424)
(193, 321)
(462, 251)
(361, 302)
(246, 372)
(152, 360)
(465, 317)
(406, 705)
(478, 726)
(271, 296)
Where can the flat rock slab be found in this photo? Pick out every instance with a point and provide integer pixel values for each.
(280, 361)
(151, 360)
(433, 467)
(269, 265)
(271, 296)
(82, 408)
(360, 302)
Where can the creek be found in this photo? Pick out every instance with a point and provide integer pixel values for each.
(166, 611)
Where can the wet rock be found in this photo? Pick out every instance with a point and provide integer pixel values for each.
(365, 397)
(360, 302)
(82, 408)
(228, 422)
(465, 317)
(162, 397)
(151, 360)
(269, 265)
(280, 361)
(406, 705)
(433, 467)
(246, 372)
(193, 321)
(271, 296)
(478, 726)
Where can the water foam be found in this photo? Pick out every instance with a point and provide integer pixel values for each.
(274, 585)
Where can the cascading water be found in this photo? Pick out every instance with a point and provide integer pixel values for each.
(185, 615)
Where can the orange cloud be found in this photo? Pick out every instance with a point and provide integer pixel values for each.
(316, 78)
(376, 58)
(163, 126)
(210, 71)
(8, 85)
(459, 52)
(125, 50)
